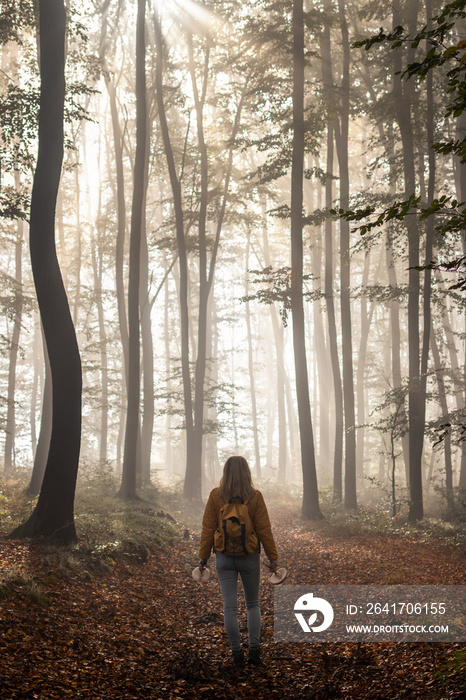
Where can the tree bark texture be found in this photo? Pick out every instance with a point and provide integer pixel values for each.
(310, 505)
(128, 481)
(403, 97)
(53, 515)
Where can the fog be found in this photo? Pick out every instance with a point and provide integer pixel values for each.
(193, 166)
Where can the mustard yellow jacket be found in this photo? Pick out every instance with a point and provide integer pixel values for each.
(259, 517)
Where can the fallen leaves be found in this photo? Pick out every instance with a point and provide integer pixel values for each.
(144, 629)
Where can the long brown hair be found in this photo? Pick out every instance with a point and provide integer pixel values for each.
(236, 480)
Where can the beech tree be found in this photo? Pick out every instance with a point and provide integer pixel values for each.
(310, 506)
(128, 485)
(53, 515)
(224, 155)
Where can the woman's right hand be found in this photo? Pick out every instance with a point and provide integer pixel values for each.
(272, 565)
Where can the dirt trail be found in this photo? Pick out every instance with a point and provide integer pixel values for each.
(149, 631)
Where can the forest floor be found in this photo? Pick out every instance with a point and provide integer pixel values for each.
(83, 623)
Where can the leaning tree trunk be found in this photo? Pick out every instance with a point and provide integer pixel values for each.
(128, 482)
(310, 505)
(53, 515)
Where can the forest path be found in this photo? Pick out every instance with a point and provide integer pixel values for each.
(149, 631)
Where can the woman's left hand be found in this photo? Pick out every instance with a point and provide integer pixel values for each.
(202, 564)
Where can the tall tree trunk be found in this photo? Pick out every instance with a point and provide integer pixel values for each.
(180, 236)
(332, 132)
(277, 327)
(321, 365)
(97, 270)
(332, 328)
(403, 99)
(119, 194)
(366, 321)
(252, 382)
(271, 409)
(345, 301)
(166, 335)
(128, 481)
(193, 479)
(444, 407)
(361, 368)
(78, 255)
(461, 195)
(215, 471)
(310, 505)
(35, 385)
(53, 515)
(293, 429)
(451, 347)
(316, 332)
(395, 335)
(11, 410)
(430, 115)
(147, 428)
(386, 136)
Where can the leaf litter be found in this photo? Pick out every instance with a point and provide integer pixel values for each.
(142, 628)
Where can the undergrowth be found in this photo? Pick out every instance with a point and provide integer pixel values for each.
(342, 523)
(112, 529)
(109, 531)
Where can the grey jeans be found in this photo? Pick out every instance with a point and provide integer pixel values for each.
(248, 567)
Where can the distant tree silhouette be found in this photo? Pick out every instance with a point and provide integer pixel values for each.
(310, 506)
(128, 483)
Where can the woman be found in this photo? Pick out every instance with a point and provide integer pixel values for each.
(236, 487)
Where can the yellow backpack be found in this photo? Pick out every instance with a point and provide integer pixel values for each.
(235, 534)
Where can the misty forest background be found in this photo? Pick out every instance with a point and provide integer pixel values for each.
(222, 300)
